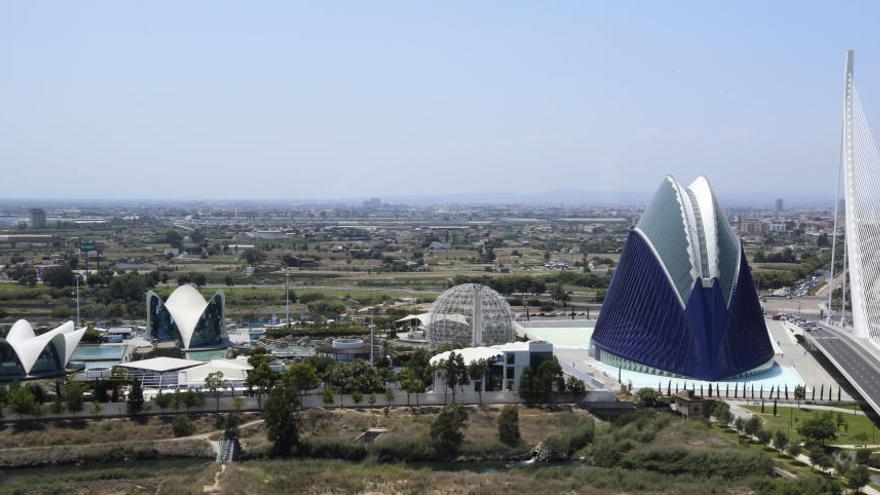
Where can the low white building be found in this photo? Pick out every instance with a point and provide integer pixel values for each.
(159, 372)
(234, 371)
(168, 372)
(506, 361)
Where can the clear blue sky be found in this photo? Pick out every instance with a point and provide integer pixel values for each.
(354, 99)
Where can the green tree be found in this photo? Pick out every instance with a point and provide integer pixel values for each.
(216, 384)
(21, 400)
(191, 399)
(560, 295)
(328, 397)
(721, 411)
(821, 459)
(303, 376)
(446, 430)
(60, 311)
(647, 397)
(508, 425)
(162, 400)
(818, 428)
(253, 256)
(800, 393)
(59, 277)
(753, 426)
(548, 376)
(410, 383)
(764, 436)
(478, 370)
(576, 387)
(135, 402)
(780, 440)
(228, 281)
(182, 426)
(73, 396)
(174, 239)
(527, 386)
(128, 288)
(857, 477)
(280, 415)
(455, 373)
(261, 377)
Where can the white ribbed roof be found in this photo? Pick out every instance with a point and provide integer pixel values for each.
(28, 346)
(161, 364)
(186, 306)
(232, 369)
(690, 235)
(471, 354)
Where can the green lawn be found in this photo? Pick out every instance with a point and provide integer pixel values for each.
(793, 416)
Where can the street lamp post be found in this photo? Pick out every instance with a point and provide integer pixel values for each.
(77, 301)
(287, 296)
(372, 327)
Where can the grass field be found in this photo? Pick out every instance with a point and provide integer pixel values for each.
(788, 418)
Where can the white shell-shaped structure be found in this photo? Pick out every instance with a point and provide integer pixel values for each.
(186, 315)
(471, 315)
(52, 349)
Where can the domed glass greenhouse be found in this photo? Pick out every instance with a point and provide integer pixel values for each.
(472, 315)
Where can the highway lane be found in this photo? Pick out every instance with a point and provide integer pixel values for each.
(858, 364)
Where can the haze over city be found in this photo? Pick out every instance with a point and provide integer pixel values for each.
(399, 100)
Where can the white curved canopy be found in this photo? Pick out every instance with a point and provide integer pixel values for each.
(186, 306)
(690, 236)
(28, 346)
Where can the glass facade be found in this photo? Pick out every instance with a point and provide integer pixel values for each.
(162, 327)
(10, 366)
(48, 363)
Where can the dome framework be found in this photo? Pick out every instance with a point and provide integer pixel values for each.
(472, 315)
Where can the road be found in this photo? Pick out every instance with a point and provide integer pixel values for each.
(859, 366)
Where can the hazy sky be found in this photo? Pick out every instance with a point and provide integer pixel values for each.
(352, 99)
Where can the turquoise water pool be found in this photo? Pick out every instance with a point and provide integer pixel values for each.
(97, 353)
(206, 355)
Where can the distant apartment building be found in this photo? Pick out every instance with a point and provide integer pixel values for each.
(751, 226)
(780, 206)
(37, 218)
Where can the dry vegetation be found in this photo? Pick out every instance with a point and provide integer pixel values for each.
(414, 423)
(46, 433)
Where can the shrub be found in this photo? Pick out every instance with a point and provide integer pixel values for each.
(182, 426)
(403, 451)
(704, 464)
(508, 425)
(446, 434)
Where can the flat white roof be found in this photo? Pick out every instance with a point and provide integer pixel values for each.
(161, 364)
(471, 354)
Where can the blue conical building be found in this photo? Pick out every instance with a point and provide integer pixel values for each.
(682, 301)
